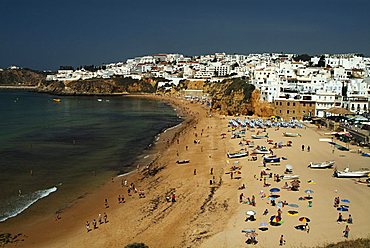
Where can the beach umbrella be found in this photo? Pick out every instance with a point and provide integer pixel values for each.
(248, 231)
(289, 167)
(250, 212)
(308, 191)
(342, 209)
(263, 226)
(275, 196)
(270, 198)
(304, 219)
(274, 190)
(293, 205)
(292, 213)
(275, 218)
(345, 201)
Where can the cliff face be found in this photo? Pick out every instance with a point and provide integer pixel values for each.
(98, 86)
(233, 96)
(21, 77)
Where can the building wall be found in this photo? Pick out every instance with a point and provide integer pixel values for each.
(294, 109)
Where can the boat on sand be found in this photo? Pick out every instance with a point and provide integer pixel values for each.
(286, 134)
(290, 177)
(237, 154)
(322, 165)
(259, 136)
(346, 173)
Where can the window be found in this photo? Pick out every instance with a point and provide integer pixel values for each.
(293, 103)
(287, 111)
(280, 111)
(288, 104)
(293, 111)
(304, 105)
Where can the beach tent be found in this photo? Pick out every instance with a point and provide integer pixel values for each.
(304, 219)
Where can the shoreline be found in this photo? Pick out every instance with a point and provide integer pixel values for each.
(204, 214)
(157, 145)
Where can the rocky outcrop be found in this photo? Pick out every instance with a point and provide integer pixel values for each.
(21, 77)
(233, 96)
(98, 87)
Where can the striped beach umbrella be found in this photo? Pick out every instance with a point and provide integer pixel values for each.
(274, 190)
(304, 219)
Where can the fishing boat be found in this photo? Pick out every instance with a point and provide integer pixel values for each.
(184, 161)
(322, 165)
(271, 159)
(57, 100)
(286, 134)
(259, 136)
(290, 177)
(237, 154)
(346, 173)
(261, 150)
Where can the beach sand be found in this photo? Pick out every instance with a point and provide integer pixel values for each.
(207, 215)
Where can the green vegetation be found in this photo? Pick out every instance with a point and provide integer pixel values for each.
(239, 84)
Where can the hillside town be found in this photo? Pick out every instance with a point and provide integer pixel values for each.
(297, 85)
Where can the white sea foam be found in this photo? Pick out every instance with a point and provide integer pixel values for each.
(20, 203)
(172, 127)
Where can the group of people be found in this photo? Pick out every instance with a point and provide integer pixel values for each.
(101, 219)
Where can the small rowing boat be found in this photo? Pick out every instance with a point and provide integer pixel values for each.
(291, 134)
(322, 165)
(259, 136)
(261, 150)
(237, 154)
(271, 159)
(57, 100)
(346, 173)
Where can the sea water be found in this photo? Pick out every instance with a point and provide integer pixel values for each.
(57, 151)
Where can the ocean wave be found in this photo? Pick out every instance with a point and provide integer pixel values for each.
(172, 127)
(18, 204)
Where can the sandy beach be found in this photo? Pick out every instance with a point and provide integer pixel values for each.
(207, 211)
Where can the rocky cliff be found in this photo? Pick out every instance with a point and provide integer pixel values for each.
(99, 86)
(21, 77)
(233, 96)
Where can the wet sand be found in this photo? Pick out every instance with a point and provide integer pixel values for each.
(207, 215)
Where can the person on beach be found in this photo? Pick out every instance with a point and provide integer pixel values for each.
(119, 199)
(346, 231)
(195, 172)
(231, 175)
(350, 221)
(211, 171)
(340, 218)
(100, 219)
(302, 148)
(279, 212)
(241, 196)
(106, 203)
(253, 201)
(105, 217)
(88, 226)
(95, 224)
(129, 191)
(282, 240)
(307, 228)
(265, 212)
(173, 197)
(308, 148)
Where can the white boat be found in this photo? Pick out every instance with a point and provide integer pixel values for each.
(322, 165)
(261, 151)
(237, 154)
(291, 134)
(290, 177)
(346, 173)
(259, 136)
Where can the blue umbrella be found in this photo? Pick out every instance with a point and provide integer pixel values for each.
(274, 190)
(308, 191)
(342, 209)
(346, 201)
(270, 198)
(264, 224)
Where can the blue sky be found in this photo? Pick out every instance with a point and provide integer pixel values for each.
(46, 34)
